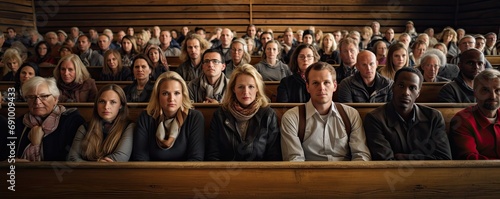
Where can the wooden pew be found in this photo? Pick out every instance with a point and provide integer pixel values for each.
(373, 179)
(447, 109)
(493, 59)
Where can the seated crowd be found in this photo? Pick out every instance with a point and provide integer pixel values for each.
(369, 68)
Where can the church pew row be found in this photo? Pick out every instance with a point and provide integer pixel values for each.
(428, 94)
(447, 109)
(373, 179)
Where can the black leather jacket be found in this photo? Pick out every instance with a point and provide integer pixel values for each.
(352, 89)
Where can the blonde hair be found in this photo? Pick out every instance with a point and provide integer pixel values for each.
(93, 145)
(118, 56)
(11, 54)
(334, 44)
(153, 109)
(81, 72)
(247, 69)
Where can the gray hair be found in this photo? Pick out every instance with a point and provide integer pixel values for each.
(486, 75)
(36, 81)
(441, 56)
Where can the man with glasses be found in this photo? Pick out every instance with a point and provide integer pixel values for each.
(322, 130)
(366, 85)
(211, 85)
(460, 90)
(467, 42)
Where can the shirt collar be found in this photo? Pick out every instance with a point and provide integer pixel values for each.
(311, 111)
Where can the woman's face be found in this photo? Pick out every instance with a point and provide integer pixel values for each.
(250, 47)
(67, 71)
(154, 55)
(170, 97)
(139, 41)
(447, 37)
(127, 45)
(40, 101)
(327, 42)
(399, 58)
(382, 49)
(431, 68)
(64, 52)
(108, 105)
(272, 50)
(305, 59)
(26, 73)
(174, 34)
(308, 39)
(237, 52)
(245, 89)
(419, 50)
(42, 50)
(13, 65)
(112, 61)
(141, 69)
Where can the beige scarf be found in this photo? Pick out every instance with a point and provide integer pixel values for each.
(169, 129)
(242, 115)
(40, 129)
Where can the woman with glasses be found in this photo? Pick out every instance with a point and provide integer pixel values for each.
(292, 89)
(271, 68)
(429, 67)
(108, 135)
(74, 81)
(239, 56)
(46, 132)
(245, 128)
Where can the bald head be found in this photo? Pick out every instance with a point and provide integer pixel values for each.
(471, 63)
(226, 37)
(366, 63)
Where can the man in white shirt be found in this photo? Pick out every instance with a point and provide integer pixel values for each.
(325, 136)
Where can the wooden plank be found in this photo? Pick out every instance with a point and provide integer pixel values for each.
(355, 2)
(153, 2)
(116, 16)
(152, 22)
(393, 10)
(343, 15)
(146, 7)
(338, 21)
(17, 3)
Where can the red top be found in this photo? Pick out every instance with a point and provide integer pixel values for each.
(473, 137)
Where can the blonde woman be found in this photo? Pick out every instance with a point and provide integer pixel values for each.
(245, 128)
(169, 129)
(328, 49)
(74, 81)
(12, 60)
(108, 136)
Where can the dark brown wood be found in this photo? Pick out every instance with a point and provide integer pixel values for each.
(373, 179)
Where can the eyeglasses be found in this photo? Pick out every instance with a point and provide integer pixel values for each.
(308, 57)
(214, 61)
(237, 51)
(32, 98)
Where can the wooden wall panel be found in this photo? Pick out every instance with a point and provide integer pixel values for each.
(479, 16)
(17, 14)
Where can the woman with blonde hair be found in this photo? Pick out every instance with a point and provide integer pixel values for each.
(239, 56)
(12, 60)
(108, 135)
(169, 129)
(397, 58)
(74, 81)
(245, 128)
(328, 49)
(449, 38)
(113, 69)
(271, 67)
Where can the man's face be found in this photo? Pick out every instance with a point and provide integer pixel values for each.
(367, 65)
(321, 86)
(103, 42)
(265, 38)
(156, 31)
(471, 63)
(251, 31)
(348, 54)
(480, 43)
(490, 40)
(12, 33)
(405, 39)
(83, 44)
(212, 65)
(466, 43)
(193, 48)
(405, 90)
(226, 37)
(288, 37)
(487, 94)
(165, 38)
(52, 39)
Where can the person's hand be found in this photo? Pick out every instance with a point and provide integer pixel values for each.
(210, 100)
(36, 134)
(105, 159)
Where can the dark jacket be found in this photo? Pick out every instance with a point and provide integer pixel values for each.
(189, 145)
(352, 89)
(262, 142)
(333, 58)
(457, 92)
(87, 92)
(124, 75)
(449, 71)
(424, 139)
(342, 73)
(292, 89)
(188, 72)
(145, 95)
(57, 144)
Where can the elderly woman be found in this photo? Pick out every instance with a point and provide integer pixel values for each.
(418, 49)
(113, 69)
(12, 60)
(251, 46)
(25, 72)
(42, 55)
(380, 51)
(169, 129)
(328, 51)
(46, 132)
(128, 50)
(429, 67)
(158, 60)
(397, 58)
(292, 89)
(271, 68)
(74, 81)
(141, 88)
(108, 136)
(245, 128)
(239, 56)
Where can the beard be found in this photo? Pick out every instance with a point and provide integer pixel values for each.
(491, 105)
